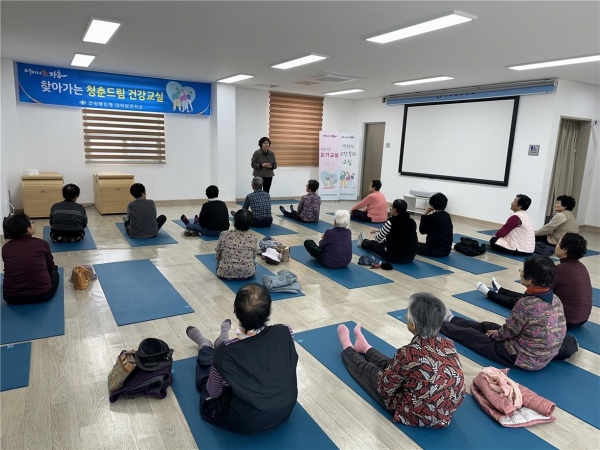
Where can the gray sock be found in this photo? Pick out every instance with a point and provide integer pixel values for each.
(224, 336)
(195, 335)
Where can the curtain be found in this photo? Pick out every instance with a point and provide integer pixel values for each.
(564, 162)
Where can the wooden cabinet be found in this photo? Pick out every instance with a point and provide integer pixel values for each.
(40, 192)
(111, 192)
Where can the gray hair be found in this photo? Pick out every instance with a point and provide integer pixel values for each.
(427, 312)
(341, 218)
(257, 182)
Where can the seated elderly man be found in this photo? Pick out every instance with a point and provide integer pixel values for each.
(335, 247)
(248, 384)
(423, 384)
(259, 203)
(68, 218)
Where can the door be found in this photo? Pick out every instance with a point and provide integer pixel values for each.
(373, 155)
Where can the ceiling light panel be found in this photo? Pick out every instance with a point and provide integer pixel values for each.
(560, 62)
(423, 80)
(82, 60)
(449, 20)
(313, 57)
(235, 78)
(99, 31)
(347, 91)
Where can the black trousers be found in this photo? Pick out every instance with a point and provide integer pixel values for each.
(294, 215)
(361, 216)
(365, 369)
(314, 250)
(426, 250)
(209, 408)
(380, 250)
(262, 223)
(160, 221)
(39, 298)
(501, 249)
(267, 181)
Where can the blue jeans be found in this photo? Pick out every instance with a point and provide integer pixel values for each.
(200, 229)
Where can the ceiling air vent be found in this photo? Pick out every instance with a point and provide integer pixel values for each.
(332, 77)
(306, 82)
(266, 86)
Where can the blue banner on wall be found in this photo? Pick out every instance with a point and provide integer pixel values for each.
(87, 89)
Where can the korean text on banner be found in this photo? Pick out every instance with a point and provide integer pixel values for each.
(329, 165)
(350, 160)
(87, 89)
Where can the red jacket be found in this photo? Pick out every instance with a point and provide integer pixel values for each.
(28, 263)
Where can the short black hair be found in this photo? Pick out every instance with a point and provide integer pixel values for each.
(575, 245)
(438, 201)
(523, 201)
(400, 206)
(212, 191)
(540, 270)
(252, 306)
(376, 184)
(70, 191)
(137, 189)
(243, 219)
(262, 140)
(313, 185)
(15, 226)
(567, 201)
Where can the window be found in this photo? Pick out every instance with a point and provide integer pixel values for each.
(123, 136)
(294, 125)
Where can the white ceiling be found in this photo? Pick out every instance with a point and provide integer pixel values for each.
(207, 41)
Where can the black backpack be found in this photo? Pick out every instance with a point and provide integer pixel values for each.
(469, 247)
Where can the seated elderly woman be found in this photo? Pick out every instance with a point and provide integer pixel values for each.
(516, 237)
(335, 247)
(562, 222)
(533, 333)
(30, 275)
(397, 241)
(423, 384)
(248, 384)
(572, 283)
(236, 249)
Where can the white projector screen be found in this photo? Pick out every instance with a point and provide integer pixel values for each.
(463, 141)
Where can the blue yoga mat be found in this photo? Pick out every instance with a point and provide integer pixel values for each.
(136, 291)
(211, 263)
(466, 263)
(320, 226)
(416, 269)
(351, 277)
(561, 382)
(596, 297)
(14, 366)
(273, 230)
(28, 322)
(300, 431)
(470, 427)
(281, 201)
(161, 239)
(488, 232)
(588, 335)
(87, 243)
(204, 238)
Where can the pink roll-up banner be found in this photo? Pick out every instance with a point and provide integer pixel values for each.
(329, 165)
(350, 162)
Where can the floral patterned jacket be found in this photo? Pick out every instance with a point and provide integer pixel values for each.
(235, 252)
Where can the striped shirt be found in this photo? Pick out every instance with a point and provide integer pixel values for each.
(259, 203)
(216, 382)
(385, 230)
(68, 216)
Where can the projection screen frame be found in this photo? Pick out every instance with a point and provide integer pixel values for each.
(464, 179)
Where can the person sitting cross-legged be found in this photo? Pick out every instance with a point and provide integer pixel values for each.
(259, 202)
(534, 333)
(562, 222)
(572, 283)
(436, 223)
(68, 218)
(423, 384)
(397, 241)
(247, 384)
(373, 208)
(309, 206)
(141, 221)
(236, 249)
(516, 237)
(334, 250)
(213, 217)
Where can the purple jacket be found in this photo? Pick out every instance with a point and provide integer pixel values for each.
(149, 384)
(337, 248)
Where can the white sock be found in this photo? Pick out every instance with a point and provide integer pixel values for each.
(482, 288)
(495, 285)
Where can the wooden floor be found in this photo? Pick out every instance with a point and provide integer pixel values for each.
(66, 403)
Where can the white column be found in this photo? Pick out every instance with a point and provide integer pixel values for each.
(223, 140)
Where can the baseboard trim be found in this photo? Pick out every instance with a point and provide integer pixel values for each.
(591, 228)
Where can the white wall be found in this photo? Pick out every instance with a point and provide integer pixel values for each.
(8, 119)
(50, 138)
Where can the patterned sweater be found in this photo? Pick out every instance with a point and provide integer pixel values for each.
(235, 252)
(424, 384)
(309, 207)
(535, 330)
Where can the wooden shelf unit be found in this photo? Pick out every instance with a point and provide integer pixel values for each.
(40, 192)
(111, 192)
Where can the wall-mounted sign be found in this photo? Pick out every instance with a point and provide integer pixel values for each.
(534, 150)
(87, 89)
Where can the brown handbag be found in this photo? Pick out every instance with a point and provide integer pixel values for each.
(121, 370)
(284, 250)
(81, 276)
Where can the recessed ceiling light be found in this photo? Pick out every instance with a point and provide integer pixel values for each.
(100, 31)
(422, 80)
(560, 62)
(347, 91)
(313, 57)
(456, 18)
(235, 78)
(82, 60)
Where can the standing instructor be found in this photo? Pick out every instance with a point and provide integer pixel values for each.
(263, 162)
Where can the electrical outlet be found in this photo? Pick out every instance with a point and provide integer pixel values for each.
(595, 123)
